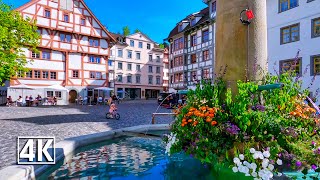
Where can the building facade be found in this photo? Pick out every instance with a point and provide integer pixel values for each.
(166, 70)
(294, 25)
(192, 45)
(138, 67)
(73, 51)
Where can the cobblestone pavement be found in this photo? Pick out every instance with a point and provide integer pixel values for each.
(68, 121)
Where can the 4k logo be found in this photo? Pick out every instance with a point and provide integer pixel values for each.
(36, 150)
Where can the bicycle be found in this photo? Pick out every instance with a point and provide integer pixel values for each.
(113, 115)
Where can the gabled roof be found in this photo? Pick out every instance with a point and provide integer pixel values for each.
(142, 35)
(204, 14)
(117, 36)
(85, 6)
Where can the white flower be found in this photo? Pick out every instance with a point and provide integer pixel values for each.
(253, 166)
(241, 156)
(235, 169)
(247, 174)
(254, 174)
(279, 174)
(255, 156)
(270, 167)
(236, 160)
(256, 179)
(265, 163)
(252, 150)
(279, 162)
(246, 163)
(241, 168)
(266, 154)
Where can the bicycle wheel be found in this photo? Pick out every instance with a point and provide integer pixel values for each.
(108, 115)
(117, 116)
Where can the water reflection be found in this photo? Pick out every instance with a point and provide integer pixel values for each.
(131, 158)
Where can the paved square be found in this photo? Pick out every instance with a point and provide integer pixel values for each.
(68, 121)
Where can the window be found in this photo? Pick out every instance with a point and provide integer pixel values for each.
(45, 74)
(290, 34)
(49, 93)
(316, 28)
(138, 79)
(120, 53)
(150, 69)
(150, 57)
(129, 79)
(94, 59)
(285, 5)
(132, 43)
(140, 44)
(180, 27)
(65, 37)
(158, 80)
(75, 74)
(158, 58)
(158, 70)
(315, 62)
(178, 77)
(179, 43)
(53, 75)
(214, 6)
(171, 79)
(138, 68)
(35, 55)
(193, 58)
(66, 18)
(119, 78)
(119, 65)
(47, 13)
(193, 21)
(110, 62)
(138, 55)
(37, 74)
(205, 55)
(29, 74)
(150, 79)
(129, 54)
(148, 46)
(178, 61)
(93, 42)
(290, 65)
(129, 67)
(205, 36)
(95, 75)
(45, 55)
(193, 76)
(193, 40)
(58, 94)
(206, 73)
(83, 21)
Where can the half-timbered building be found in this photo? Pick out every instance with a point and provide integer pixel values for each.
(73, 51)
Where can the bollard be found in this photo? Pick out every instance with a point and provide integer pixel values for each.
(153, 119)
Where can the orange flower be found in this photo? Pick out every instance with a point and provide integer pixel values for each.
(213, 123)
(203, 108)
(190, 120)
(211, 115)
(208, 120)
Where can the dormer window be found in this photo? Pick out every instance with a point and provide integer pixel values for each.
(193, 21)
(180, 27)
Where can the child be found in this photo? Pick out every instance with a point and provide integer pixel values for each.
(112, 109)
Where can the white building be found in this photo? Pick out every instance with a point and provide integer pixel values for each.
(166, 70)
(73, 51)
(137, 63)
(295, 25)
(192, 46)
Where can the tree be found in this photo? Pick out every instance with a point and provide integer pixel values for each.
(161, 46)
(136, 31)
(16, 34)
(125, 31)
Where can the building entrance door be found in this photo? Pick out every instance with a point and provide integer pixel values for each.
(72, 96)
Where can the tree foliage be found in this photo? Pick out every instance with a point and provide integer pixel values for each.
(137, 30)
(126, 31)
(16, 34)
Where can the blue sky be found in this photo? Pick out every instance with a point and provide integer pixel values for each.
(154, 18)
